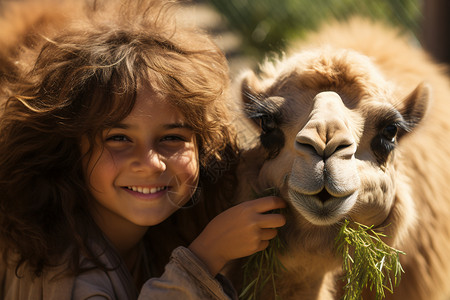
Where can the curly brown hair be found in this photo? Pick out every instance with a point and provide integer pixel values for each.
(82, 80)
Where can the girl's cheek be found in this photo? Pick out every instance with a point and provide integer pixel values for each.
(185, 156)
(102, 164)
(188, 163)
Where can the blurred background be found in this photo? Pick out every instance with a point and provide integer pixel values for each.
(248, 30)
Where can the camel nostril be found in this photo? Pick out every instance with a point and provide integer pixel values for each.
(323, 196)
(306, 146)
(342, 147)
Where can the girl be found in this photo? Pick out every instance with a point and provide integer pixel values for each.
(115, 150)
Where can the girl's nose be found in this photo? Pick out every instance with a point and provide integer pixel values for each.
(149, 161)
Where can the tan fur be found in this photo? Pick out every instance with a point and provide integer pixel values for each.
(24, 26)
(367, 71)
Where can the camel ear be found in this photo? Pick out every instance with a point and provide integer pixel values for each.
(416, 104)
(262, 113)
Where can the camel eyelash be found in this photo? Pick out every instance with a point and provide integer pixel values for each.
(262, 109)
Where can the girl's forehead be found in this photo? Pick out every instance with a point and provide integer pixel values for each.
(151, 104)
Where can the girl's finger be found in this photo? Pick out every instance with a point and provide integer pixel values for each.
(268, 203)
(268, 234)
(271, 220)
(262, 245)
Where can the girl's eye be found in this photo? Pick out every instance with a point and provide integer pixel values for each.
(174, 138)
(118, 138)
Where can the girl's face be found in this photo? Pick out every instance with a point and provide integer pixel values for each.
(145, 167)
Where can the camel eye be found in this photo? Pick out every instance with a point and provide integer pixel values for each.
(390, 132)
(267, 123)
(272, 138)
(390, 126)
(384, 142)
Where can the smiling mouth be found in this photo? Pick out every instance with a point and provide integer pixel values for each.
(146, 190)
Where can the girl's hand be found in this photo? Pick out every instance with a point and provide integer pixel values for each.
(238, 232)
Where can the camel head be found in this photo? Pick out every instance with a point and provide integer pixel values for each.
(330, 129)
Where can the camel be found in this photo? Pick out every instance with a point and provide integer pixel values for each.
(352, 124)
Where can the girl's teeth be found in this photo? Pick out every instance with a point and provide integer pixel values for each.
(145, 190)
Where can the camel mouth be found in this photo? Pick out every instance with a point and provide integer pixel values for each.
(324, 196)
(322, 208)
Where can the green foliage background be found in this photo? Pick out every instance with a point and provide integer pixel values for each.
(266, 25)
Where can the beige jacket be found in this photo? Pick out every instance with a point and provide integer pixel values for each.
(185, 277)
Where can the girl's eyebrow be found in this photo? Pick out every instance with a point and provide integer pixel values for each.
(177, 125)
(165, 126)
(121, 126)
